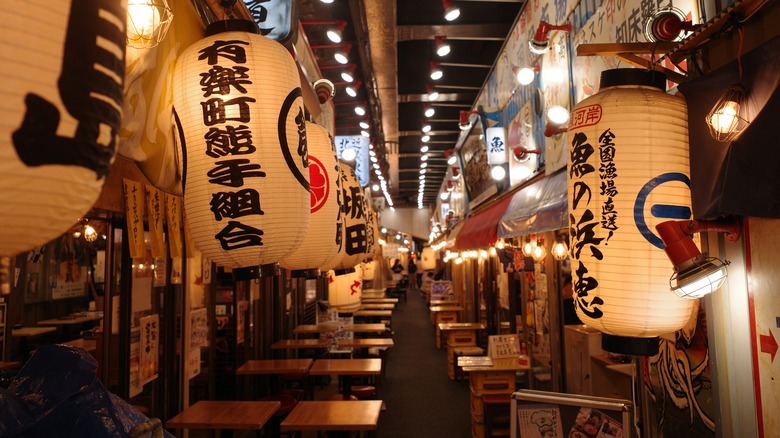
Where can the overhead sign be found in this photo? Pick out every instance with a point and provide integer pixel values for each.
(359, 144)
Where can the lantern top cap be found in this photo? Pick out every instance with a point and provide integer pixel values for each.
(632, 76)
(232, 26)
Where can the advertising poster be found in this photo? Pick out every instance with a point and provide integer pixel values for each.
(149, 351)
(541, 421)
(199, 329)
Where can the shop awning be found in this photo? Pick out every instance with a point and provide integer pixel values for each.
(541, 206)
(481, 229)
(453, 234)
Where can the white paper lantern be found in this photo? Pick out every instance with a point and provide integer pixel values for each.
(372, 230)
(628, 170)
(428, 258)
(60, 113)
(495, 138)
(345, 291)
(322, 241)
(243, 158)
(354, 212)
(369, 270)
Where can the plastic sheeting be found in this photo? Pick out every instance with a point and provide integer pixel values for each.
(56, 394)
(541, 206)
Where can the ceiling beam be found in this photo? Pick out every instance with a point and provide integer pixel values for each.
(483, 32)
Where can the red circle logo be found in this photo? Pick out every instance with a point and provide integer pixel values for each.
(319, 184)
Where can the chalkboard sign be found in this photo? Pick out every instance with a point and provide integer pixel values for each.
(541, 414)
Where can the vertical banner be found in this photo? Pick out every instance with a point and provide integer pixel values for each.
(134, 211)
(149, 354)
(155, 206)
(206, 267)
(173, 213)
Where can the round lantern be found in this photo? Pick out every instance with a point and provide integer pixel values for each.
(354, 211)
(428, 258)
(321, 242)
(243, 154)
(60, 114)
(369, 270)
(344, 291)
(628, 170)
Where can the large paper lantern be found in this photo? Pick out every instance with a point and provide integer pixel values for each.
(323, 240)
(495, 137)
(428, 258)
(372, 232)
(354, 212)
(628, 170)
(243, 157)
(63, 64)
(345, 291)
(369, 270)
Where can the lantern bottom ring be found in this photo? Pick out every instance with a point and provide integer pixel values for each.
(344, 271)
(309, 274)
(629, 345)
(256, 272)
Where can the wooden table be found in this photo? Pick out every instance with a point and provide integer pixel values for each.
(374, 313)
(300, 344)
(71, 320)
(325, 328)
(345, 369)
(225, 415)
(26, 332)
(458, 333)
(89, 345)
(377, 306)
(5, 366)
(445, 303)
(444, 314)
(379, 300)
(342, 415)
(366, 343)
(275, 366)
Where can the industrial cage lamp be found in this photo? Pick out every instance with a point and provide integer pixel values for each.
(695, 275)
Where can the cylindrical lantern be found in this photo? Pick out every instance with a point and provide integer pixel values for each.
(628, 170)
(345, 291)
(354, 212)
(60, 114)
(372, 236)
(495, 137)
(428, 258)
(322, 241)
(369, 270)
(243, 157)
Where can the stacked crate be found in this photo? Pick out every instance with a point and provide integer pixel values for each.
(460, 343)
(482, 383)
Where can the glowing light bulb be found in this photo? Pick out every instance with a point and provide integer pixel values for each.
(725, 120)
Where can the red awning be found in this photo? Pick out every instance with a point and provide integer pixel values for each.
(481, 229)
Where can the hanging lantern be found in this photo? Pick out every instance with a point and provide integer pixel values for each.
(428, 259)
(369, 270)
(345, 291)
(322, 241)
(354, 212)
(243, 154)
(495, 137)
(60, 114)
(371, 238)
(628, 170)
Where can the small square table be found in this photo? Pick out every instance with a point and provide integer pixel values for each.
(276, 367)
(345, 369)
(225, 415)
(341, 415)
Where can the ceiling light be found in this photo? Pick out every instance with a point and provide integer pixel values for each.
(451, 12)
(429, 111)
(436, 72)
(695, 275)
(341, 58)
(498, 173)
(452, 159)
(376, 166)
(359, 110)
(464, 121)
(560, 251)
(426, 128)
(539, 251)
(375, 187)
(528, 247)
(424, 157)
(327, 1)
(423, 165)
(432, 93)
(364, 125)
(348, 154)
(442, 48)
(347, 77)
(540, 44)
(422, 171)
(372, 153)
(147, 23)
(426, 138)
(373, 159)
(422, 177)
(526, 75)
(558, 115)
(351, 91)
(365, 133)
(424, 149)
(444, 195)
(334, 35)
(728, 117)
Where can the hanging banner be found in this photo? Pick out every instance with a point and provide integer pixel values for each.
(134, 212)
(149, 354)
(154, 206)
(173, 213)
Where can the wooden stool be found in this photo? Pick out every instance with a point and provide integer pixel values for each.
(497, 414)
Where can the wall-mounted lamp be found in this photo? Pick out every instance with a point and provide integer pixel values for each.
(540, 43)
(498, 173)
(539, 251)
(526, 75)
(324, 89)
(359, 110)
(334, 33)
(147, 22)
(442, 47)
(695, 275)
(521, 154)
(667, 24)
(455, 170)
(451, 12)
(426, 127)
(436, 72)
(429, 111)
(728, 117)
(464, 122)
(557, 120)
